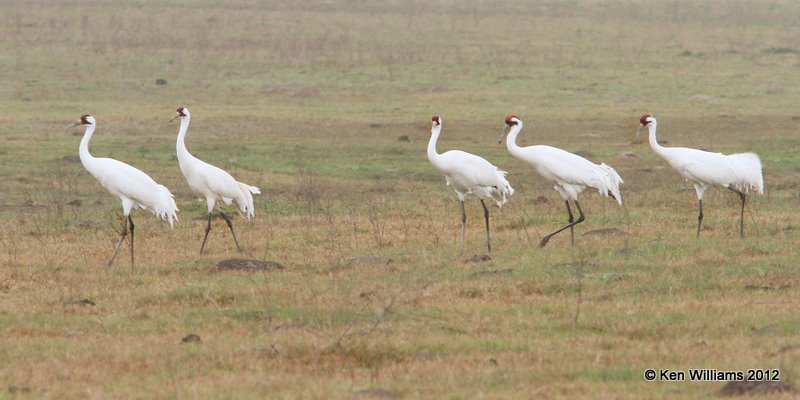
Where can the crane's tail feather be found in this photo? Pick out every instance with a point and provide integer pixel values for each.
(748, 170)
(164, 205)
(246, 199)
(612, 182)
(503, 188)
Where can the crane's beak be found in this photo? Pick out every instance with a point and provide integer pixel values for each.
(176, 116)
(503, 135)
(72, 125)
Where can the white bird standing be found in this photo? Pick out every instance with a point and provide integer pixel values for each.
(133, 187)
(739, 173)
(570, 173)
(212, 183)
(468, 173)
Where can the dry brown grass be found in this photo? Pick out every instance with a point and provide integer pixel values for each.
(307, 101)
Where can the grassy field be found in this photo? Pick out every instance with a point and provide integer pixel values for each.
(307, 100)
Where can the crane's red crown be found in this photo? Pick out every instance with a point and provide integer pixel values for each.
(182, 111)
(644, 118)
(508, 118)
(85, 119)
(436, 119)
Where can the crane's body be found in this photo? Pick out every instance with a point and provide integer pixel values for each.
(739, 173)
(211, 182)
(469, 174)
(134, 188)
(570, 173)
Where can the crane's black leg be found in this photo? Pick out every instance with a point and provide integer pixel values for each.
(463, 224)
(699, 217)
(208, 229)
(570, 225)
(130, 221)
(570, 220)
(119, 242)
(486, 217)
(741, 213)
(230, 225)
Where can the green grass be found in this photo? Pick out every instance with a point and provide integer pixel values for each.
(307, 101)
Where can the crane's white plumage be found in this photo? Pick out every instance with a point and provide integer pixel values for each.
(469, 174)
(570, 173)
(134, 188)
(212, 183)
(739, 172)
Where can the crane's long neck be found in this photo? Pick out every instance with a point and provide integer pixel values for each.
(511, 139)
(653, 141)
(433, 155)
(83, 150)
(183, 153)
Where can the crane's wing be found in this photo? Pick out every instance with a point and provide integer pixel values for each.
(125, 181)
(742, 171)
(224, 186)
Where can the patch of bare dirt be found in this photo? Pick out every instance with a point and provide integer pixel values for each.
(191, 338)
(478, 258)
(607, 232)
(369, 260)
(377, 393)
(492, 272)
(751, 388)
(245, 264)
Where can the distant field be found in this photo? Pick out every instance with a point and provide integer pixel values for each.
(307, 101)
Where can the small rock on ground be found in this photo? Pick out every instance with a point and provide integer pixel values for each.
(244, 264)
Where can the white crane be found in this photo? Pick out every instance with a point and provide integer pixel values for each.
(212, 183)
(739, 173)
(133, 187)
(469, 174)
(570, 173)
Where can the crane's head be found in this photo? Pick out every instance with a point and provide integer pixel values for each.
(182, 112)
(511, 121)
(85, 119)
(645, 120)
(436, 121)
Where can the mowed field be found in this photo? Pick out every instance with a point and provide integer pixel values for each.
(308, 101)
